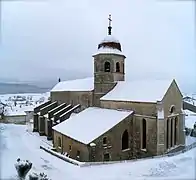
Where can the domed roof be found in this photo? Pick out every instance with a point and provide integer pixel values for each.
(110, 38)
(110, 42)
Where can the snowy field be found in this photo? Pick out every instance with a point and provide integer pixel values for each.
(17, 141)
(17, 104)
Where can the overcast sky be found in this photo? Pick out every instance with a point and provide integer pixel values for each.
(51, 38)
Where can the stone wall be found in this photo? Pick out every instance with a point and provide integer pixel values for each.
(71, 146)
(148, 109)
(174, 98)
(18, 119)
(29, 115)
(106, 81)
(100, 59)
(114, 142)
(151, 135)
(189, 106)
(74, 98)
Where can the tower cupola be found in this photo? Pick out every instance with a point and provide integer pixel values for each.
(110, 41)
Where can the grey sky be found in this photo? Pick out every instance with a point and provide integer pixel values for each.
(60, 36)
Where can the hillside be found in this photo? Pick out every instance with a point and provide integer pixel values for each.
(15, 88)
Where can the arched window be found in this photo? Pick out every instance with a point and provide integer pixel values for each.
(176, 131)
(104, 140)
(171, 134)
(172, 109)
(167, 134)
(143, 134)
(117, 67)
(59, 142)
(107, 66)
(125, 140)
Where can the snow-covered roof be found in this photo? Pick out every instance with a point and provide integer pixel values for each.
(108, 50)
(86, 84)
(138, 91)
(110, 38)
(89, 124)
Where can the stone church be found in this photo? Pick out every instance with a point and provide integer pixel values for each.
(106, 118)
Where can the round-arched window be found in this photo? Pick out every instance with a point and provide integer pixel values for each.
(117, 67)
(172, 109)
(107, 66)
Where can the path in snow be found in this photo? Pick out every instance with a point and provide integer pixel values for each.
(17, 142)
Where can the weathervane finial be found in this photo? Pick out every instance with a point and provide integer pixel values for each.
(110, 27)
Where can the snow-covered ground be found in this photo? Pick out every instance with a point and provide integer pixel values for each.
(18, 141)
(17, 104)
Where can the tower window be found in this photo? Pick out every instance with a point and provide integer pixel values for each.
(125, 140)
(107, 66)
(117, 67)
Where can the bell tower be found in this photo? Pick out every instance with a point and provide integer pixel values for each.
(108, 65)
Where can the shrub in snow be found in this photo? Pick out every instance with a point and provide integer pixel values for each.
(35, 176)
(187, 131)
(193, 131)
(22, 167)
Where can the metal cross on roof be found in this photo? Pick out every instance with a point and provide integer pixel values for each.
(110, 19)
(110, 27)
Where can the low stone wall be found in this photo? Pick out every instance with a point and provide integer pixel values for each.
(187, 148)
(65, 158)
(85, 164)
(18, 119)
(189, 106)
